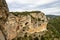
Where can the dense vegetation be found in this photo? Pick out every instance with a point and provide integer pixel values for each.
(24, 13)
(55, 22)
(53, 29)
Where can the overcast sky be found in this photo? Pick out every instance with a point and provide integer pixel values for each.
(51, 7)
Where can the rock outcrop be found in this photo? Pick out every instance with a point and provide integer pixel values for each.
(26, 24)
(3, 16)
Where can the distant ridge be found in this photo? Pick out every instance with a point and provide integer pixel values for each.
(51, 16)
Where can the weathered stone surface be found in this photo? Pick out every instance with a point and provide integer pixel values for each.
(3, 11)
(3, 17)
(1, 36)
(23, 25)
(18, 26)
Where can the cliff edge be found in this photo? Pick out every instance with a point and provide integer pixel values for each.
(24, 24)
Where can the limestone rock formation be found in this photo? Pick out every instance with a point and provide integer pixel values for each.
(3, 17)
(25, 24)
(3, 11)
(31, 23)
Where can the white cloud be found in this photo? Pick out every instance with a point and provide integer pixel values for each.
(29, 5)
(34, 2)
(53, 10)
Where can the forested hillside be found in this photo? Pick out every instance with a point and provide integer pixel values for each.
(53, 29)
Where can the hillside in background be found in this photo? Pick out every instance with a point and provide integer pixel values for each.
(55, 22)
(51, 16)
(53, 27)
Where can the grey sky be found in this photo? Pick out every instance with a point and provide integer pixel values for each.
(46, 6)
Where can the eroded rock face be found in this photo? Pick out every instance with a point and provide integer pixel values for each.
(3, 17)
(19, 26)
(3, 11)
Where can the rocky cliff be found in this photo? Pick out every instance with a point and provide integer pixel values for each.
(22, 25)
(25, 24)
(3, 17)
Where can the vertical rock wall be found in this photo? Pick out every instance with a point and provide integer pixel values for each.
(29, 24)
(3, 17)
(12, 26)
